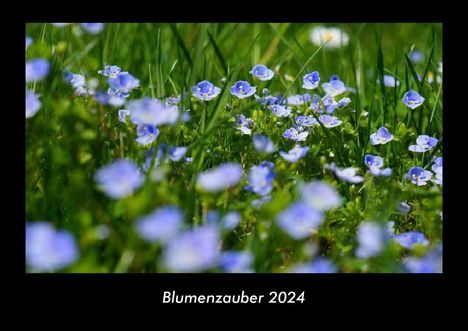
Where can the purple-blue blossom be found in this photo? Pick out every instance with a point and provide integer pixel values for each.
(418, 176)
(437, 168)
(146, 134)
(37, 69)
(320, 195)
(294, 134)
(430, 263)
(299, 220)
(219, 178)
(334, 87)
(33, 104)
(416, 56)
(263, 144)
(295, 154)
(123, 114)
(29, 41)
(205, 90)
(329, 121)
(231, 220)
(408, 239)
(375, 164)
(177, 153)
(110, 71)
(311, 80)
(123, 82)
(261, 72)
(390, 81)
(92, 28)
(382, 136)
(280, 111)
(299, 99)
(236, 262)
(413, 99)
(243, 124)
(119, 179)
(161, 225)
(242, 89)
(371, 239)
(424, 143)
(305, 120)
(261, 178)
(318, 266)
(152, 111)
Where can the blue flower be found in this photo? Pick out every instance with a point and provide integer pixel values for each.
(242, 89)
(418, 176)
(343, 102)
(375, 163)
(147, 133)
(412, 99)
(320, 195)
(382, 136)
(110, 71)
(299, 220)
(48, 249)
(390, 81)
(231, 220)
(329, 121)
(237, 262)
(220, 178)
(293, 134)
(261, 178)
(75, 80)
(334, 87)
(295, 154)
(305, 121)
(205, 90)
(36, 69)
(371, 239)
(261, 72)
(280, 111)
(243, 124)
(299, 99)
(193, 251)
(29, 41)
(119, 179)
(257, 203)
(347, 174)
(404, 208)
(416, 56)
(93, 28)
(123, 114)
(408, 239)
(33, 104)
(437, 168)
(263, 144)
(152, 111)
(319, 266)
(161, 225)
(311, 81)
(423, 144)
(270, 100)
(123, 82)
(430, 263)
(106, 98)
(177, 153)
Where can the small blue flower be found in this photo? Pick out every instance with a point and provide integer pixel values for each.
(423, 144)
(404, 208)
(418, 176)
(343, 102)
(390, 81)
(217, 179)
(106, 98)
(237, 262)
(147, 133)
(416, 56)
(119, 179)
(242, 89)
(382, 136)
(263, 144)
(371, 239)
(320, 195)
(231, 220)
(319, 266)
(177, 153)
(293, 134)
(305, 121)
(430, 263)
(123, 114)
(311, 81)
(93, 28)
(77, 81)
(297, 100)
(295, 154)
(152, 111)
(29, 41)
(123, 82)
(161, 225)
(110, 71)
(37, 69)
(299, 220)
(261, 178)
(329, 121)
(280, 111)
(48, 249)
(412, 99)
(334, 87)
(33, 104)
(205, 90)
(437, 168)
(193, 251)
(243, 124)
(347, 174)
(408, 239)
(375, 163)
(270, 100)
(261, 72)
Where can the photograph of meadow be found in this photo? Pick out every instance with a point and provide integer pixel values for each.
(233, 147)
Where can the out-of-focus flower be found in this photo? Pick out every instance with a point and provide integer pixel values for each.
(375, 164)
(430, 263)
(346, 174)
(161, 225)
(329, 121)
(37, 69)
(299, 99)
(408, 239)
(295, 135)
(424, 143)
(305, 121)
(299, 220)
(29, 41)
(93, 28)
(416, 56)
(176, 153)
(106, 98)
(110, 71)
(230, 220)
(437, 168)
(123, 114)
(261, 178)
(371, 239)
(318, 266)
(334, 87)
(261, 72)
(295, 154)
(147, 133)
(123, 82)
(238, 262)
(389, 81)
(320, 195)
(119, 179)
(382, 136)
(220, 178)
(257, 203)
(193, 251)
(205, 90)
(60, 25)
(403, 207)
(335, 37)
(412, 99)
(48, 249)
(243, 124)
(280, 111)
(311, 81)
(242, 89)
(152, 111)
(269, 100)
(263, 144)
(418, 176)
(33, 104)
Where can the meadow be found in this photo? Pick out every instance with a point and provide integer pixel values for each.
(233, 147)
